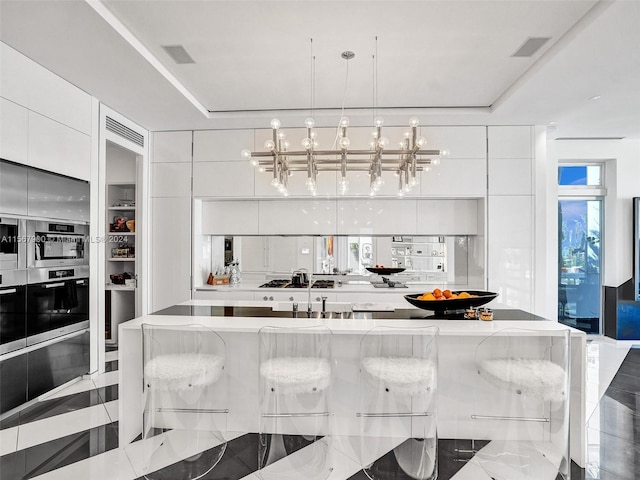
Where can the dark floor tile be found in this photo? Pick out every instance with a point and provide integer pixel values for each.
(628, 399)
(611, 455)
(61, 405)
(40, 459)
(630, 367)
(614, 418)
(628, 383)
(12, 421)
(240, 459)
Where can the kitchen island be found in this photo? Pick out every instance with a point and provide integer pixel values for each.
(238, 325)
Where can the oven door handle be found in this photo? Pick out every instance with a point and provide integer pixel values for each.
(7, 292)
(80, 282)
(53, 285)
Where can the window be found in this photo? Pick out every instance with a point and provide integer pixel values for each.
(580, 220)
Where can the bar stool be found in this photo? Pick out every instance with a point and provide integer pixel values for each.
(295, 413)
(521, 404)
(185, 400)
(397, 401)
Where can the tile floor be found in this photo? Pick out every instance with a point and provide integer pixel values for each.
(73, 434)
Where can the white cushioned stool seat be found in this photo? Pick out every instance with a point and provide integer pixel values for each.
(174, 372)
(294, 375)
(536, 377)
(404, 375)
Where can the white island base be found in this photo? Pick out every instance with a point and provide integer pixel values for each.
(457, 343)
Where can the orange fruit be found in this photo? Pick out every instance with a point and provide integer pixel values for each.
(464, 295)
(437, 293)
(447, 294)
(428, 296)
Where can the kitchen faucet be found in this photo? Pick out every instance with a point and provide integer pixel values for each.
(304, 270)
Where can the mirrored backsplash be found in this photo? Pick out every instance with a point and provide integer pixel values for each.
(451, 260)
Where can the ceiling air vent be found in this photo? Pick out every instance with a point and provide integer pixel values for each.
(124, 131)
(178, 54)
(531, 46)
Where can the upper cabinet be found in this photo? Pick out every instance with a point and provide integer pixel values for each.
(57, 148)
(14, 126)
(45, 121)
(221, 145)
(29, 84)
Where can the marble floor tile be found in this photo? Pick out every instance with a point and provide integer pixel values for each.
(613, 455)
(8, 440)
(111, 356)
(111, 465)
(48, 429)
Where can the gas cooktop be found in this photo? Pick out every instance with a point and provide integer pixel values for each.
(288, 284)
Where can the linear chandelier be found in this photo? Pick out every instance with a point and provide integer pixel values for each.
(282, 161)
(404, 162)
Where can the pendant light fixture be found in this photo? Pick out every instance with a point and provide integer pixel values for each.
(282, 161)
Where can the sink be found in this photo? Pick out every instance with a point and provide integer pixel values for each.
(316, 307)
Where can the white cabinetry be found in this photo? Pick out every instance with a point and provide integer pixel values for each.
(292, 216)
(57, 148)
(223, 179)
(221, 145)
(376, 216)
(447, 217)
(171, 219)
(14, 127)
(232, 217)
(222, 295)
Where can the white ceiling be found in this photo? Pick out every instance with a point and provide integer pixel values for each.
(449, 61)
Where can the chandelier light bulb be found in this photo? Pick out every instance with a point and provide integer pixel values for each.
(344, 122)
(379, 181)
(316, 144)
(383, 142)
(275, 182)
(401, 193)
(427, 168)
(345, 142)
(445, 153)
(435, 161)
(413, 182)
(286, 144)
(246, 154)
(310, 183)
(421, 142)
(275, 123)
(306, 143)
(254, 162)
(378, 121)
(309, 122)
(282, 135)
(407, 134)
(261, 169)
(285, 192)
(313, 135)
(269, 145)
(372, 144)
(414, 121)
(372, 193)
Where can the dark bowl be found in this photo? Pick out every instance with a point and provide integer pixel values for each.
(385, 270)
(453, 304)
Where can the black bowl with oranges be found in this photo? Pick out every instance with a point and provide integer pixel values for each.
(450, 301)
